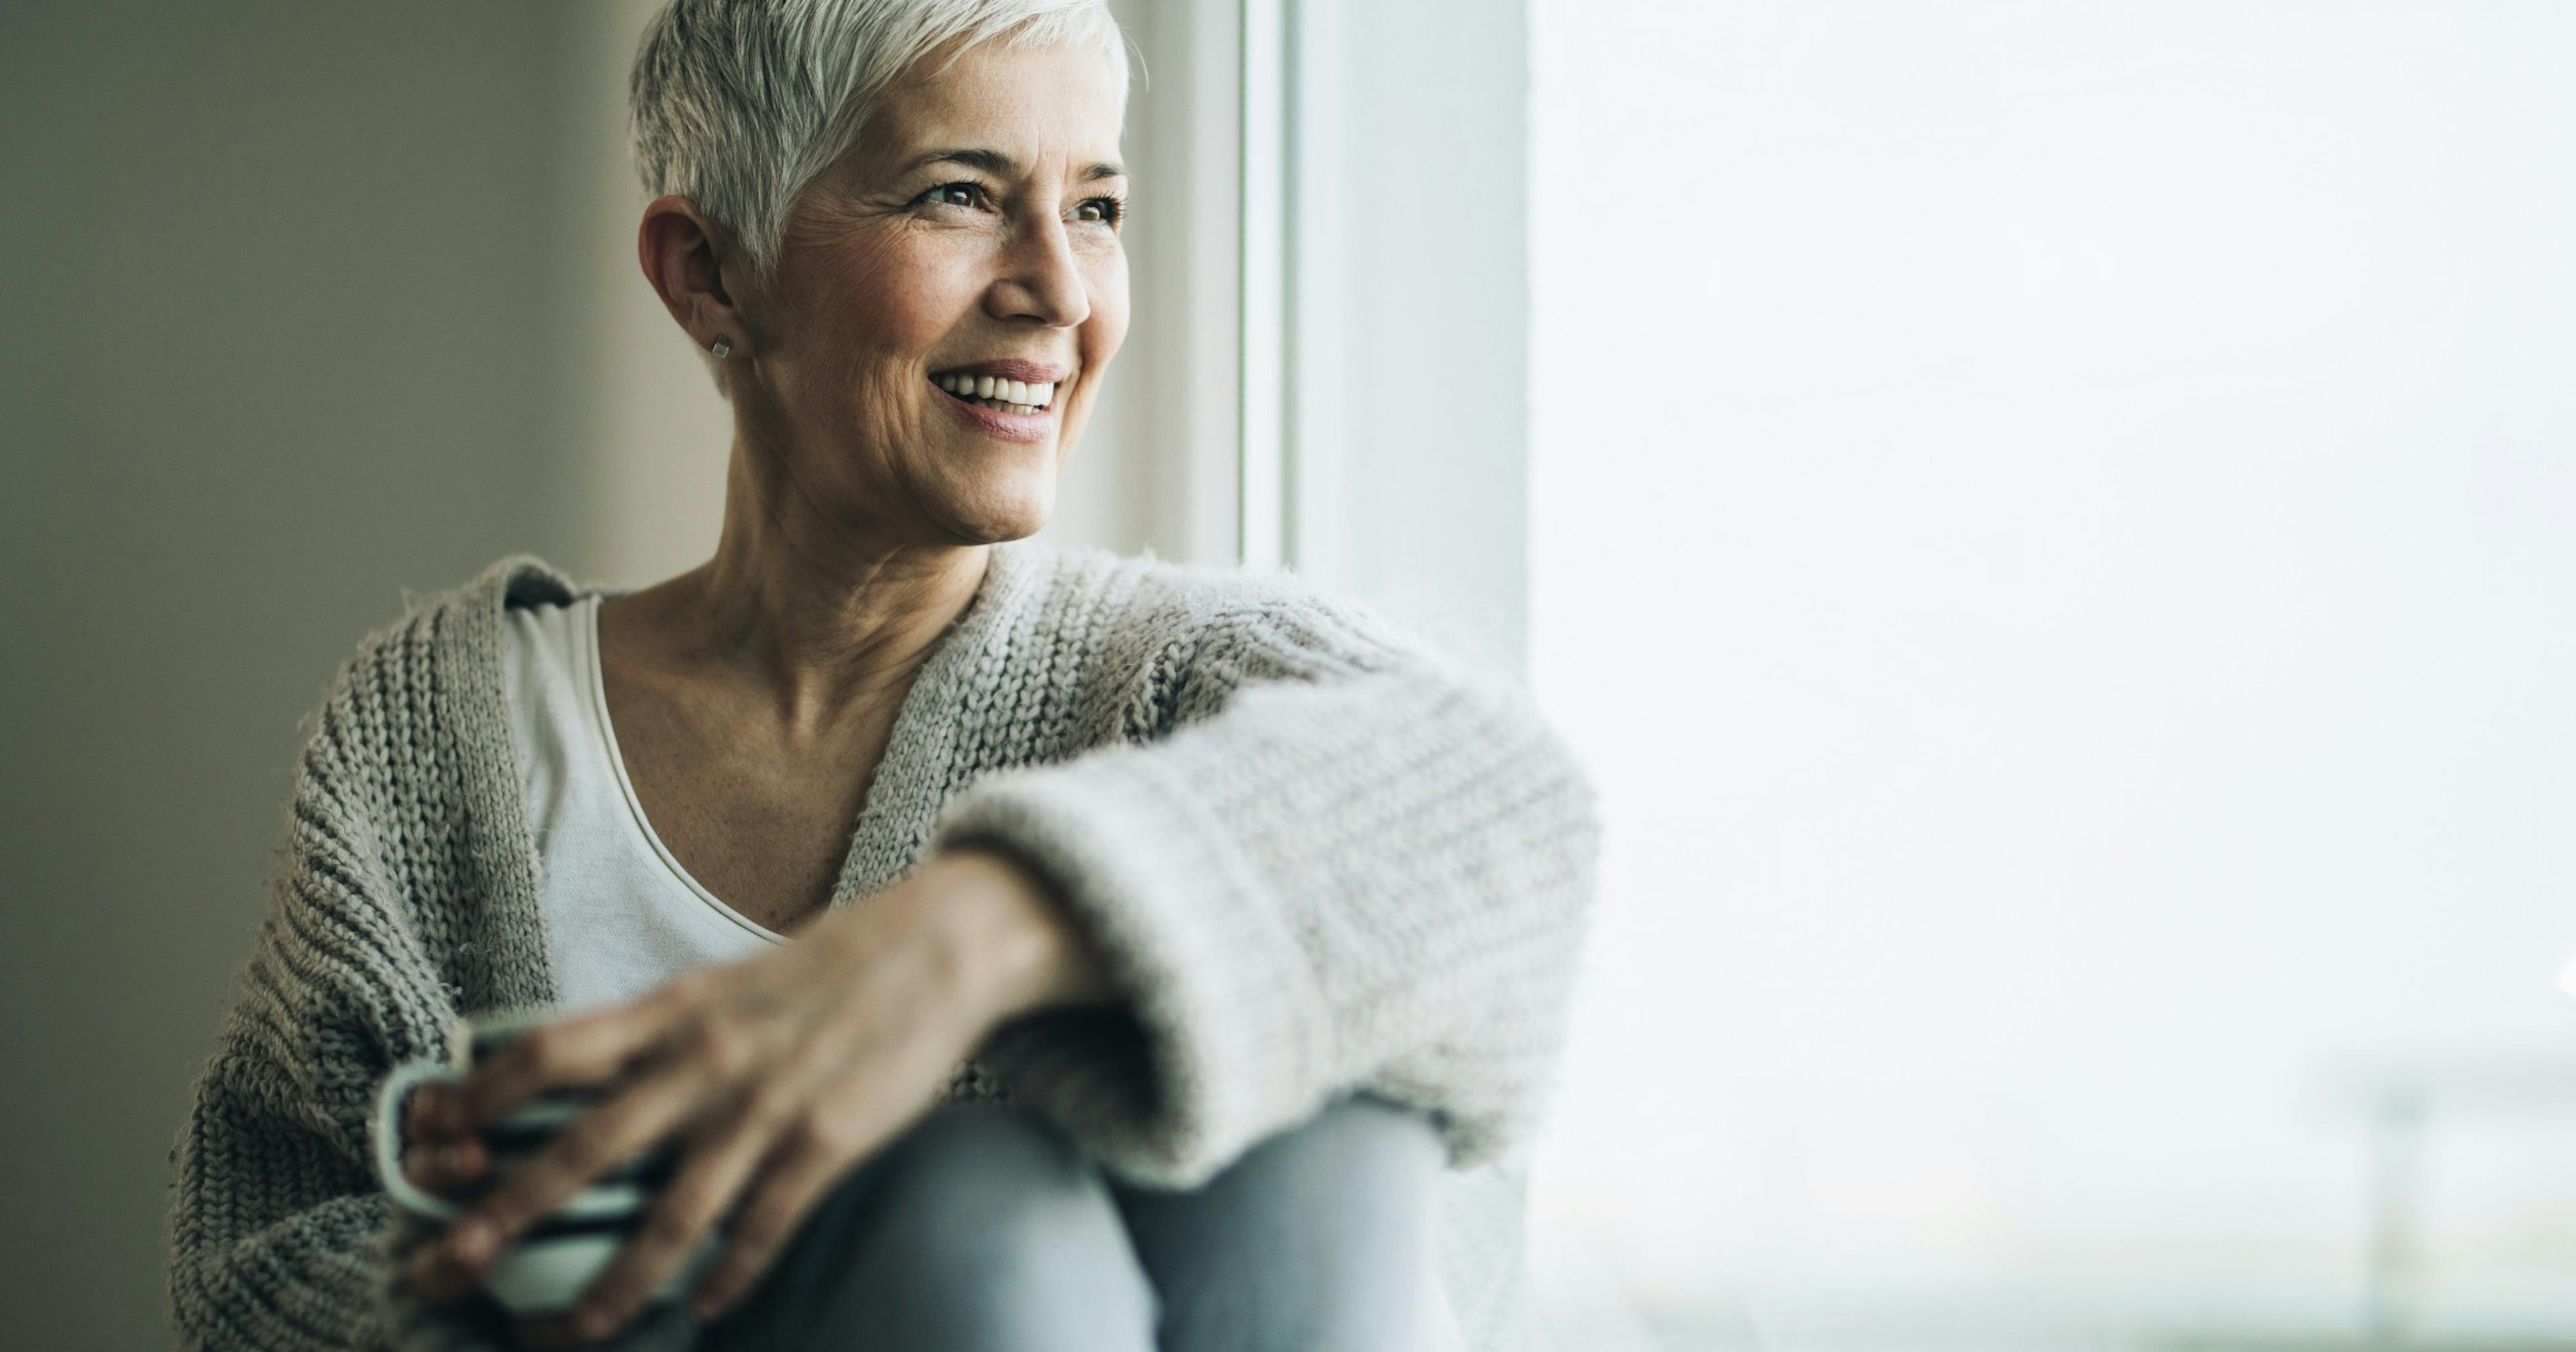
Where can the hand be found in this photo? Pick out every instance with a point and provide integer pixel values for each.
(437, 1157)
(779, 1074)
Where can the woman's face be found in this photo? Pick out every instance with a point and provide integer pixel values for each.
(970, 241)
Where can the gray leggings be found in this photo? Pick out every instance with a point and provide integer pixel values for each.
(983, 1229)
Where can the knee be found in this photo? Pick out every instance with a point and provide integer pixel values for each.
(1362, 1184)
(1370, 1136)
(983, 1182)
(1321, 1237)
(979, 1228)
(1367, 1168)
(1001, 1210)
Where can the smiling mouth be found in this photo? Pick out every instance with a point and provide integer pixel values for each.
(998, 394)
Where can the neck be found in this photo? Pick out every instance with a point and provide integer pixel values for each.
(827, 619)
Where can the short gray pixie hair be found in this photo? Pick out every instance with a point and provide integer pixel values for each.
(738, 105)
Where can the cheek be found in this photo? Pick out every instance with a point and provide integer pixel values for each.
(890, 298)
(1107, 327)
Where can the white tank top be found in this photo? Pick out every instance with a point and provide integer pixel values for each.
(621, 915)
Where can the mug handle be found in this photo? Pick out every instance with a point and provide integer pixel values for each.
(385, 1130)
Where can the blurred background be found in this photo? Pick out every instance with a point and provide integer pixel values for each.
(2050, 522)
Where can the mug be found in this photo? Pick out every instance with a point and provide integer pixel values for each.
(547, 1265)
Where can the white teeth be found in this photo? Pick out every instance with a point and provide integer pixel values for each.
(1016, 396)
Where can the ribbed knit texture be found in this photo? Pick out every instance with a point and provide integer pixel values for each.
(1317, 856)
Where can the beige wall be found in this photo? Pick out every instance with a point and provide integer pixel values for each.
(307, 305)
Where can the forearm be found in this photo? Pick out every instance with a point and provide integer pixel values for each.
(1036, 957)
(1381, 880)
(1004, 943)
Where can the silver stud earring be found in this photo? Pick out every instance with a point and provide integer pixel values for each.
(724, 345)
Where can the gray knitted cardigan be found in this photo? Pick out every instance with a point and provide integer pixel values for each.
(1318, 857)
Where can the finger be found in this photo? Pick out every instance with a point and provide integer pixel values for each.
(434, 1275)
(598, 1140)
(429, 1113)
(687, 1208)
(585, 1049)
(434, 1271)
(810, 1164)
(442, 1167)
(435, 1157)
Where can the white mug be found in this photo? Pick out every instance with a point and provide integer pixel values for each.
(548, 1265)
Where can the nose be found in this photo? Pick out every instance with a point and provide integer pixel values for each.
(1040, 279)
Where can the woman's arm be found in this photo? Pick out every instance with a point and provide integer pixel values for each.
(1351, 864)
(277, 1240)
(281, 1238)
(778, 1072)
(1366, 870)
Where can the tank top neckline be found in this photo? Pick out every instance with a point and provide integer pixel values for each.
(607, 742)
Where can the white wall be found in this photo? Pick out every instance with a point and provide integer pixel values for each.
(2052, 522)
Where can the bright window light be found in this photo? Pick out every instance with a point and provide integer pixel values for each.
(2055, 526)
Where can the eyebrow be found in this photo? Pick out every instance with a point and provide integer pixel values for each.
(996, 163)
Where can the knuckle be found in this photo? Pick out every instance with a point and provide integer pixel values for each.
(755, 1233)
(668, 1226)
(693, 1198)
(723, 1050)
(769, 1109)
(699, 1191)
(820, 1135)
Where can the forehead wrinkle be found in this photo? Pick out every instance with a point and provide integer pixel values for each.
(926, 119)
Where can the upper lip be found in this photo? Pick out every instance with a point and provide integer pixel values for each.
(1012, 368)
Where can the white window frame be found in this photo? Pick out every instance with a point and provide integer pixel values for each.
(1332, 282)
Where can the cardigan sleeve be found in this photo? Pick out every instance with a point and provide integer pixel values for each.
(281, 1238)
(1346, 864)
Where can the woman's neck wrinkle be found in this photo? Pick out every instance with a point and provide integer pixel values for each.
(826, 648)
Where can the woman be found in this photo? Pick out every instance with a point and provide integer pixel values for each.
(1018, 948)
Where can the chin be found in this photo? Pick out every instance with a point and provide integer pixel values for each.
(993, 518)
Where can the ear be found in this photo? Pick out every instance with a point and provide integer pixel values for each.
(686, 258)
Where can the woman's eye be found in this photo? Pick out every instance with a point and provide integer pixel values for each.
(953, 194)
(1104, 209)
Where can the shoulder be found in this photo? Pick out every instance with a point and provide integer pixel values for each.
(430, 661)
(1155, 603)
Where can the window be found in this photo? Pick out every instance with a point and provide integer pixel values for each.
(2052, 524)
